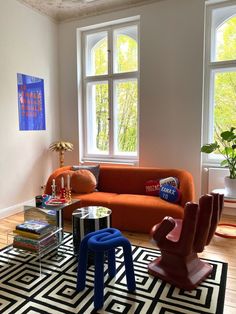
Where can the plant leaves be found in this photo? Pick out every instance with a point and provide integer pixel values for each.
(224, 163)
(209, 148)
(229, 151)
(228, 136)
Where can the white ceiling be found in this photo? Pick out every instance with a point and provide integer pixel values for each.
(61, 10)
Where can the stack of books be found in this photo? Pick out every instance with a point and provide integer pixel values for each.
(34, 236)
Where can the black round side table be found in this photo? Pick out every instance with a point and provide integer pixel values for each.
(88, 219)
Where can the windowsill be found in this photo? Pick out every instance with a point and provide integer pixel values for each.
(208, 164)
(212, 162)
(128, 162)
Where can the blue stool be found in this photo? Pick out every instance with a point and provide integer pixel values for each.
(101, 242)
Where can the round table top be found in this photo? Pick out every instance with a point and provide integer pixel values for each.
(92, 212)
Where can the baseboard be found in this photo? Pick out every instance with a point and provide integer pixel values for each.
(6, 212)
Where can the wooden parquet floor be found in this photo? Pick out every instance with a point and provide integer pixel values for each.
(219, 249)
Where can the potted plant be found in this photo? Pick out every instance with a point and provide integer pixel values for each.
(61, 147)
(226, 146)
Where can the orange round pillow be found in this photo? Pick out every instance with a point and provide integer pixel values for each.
(83, 181)
(63, 174)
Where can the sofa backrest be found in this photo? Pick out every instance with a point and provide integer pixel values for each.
(131, 180)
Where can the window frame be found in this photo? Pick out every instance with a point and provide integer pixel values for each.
(211, 67)
(110, 77)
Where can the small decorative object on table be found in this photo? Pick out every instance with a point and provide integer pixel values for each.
(38, 200)
(62, 190)
(41, 200)
(56, 202)
(53, 188)
(68, 190)
(68, 195)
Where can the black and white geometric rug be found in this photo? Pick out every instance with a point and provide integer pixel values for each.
(23, 290)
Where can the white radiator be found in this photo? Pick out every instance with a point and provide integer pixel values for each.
(216, 178)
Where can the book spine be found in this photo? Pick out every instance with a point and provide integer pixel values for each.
(25, 246)
(34, 247)
(19, 246)
(27, 234)
(25, 240)
(34, 242)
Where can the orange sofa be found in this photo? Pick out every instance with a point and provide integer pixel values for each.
(122, 189)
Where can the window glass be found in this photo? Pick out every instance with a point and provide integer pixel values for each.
(97, 118)
(125, 100)
(226, 40)
(96, 54)
(224, 101)
(125, 50)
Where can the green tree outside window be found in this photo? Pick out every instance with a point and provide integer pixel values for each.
(126, 96)
(225, 82)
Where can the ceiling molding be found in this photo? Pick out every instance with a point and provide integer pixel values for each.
(66, 10)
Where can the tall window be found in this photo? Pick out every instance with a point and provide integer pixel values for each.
(110, 93)
(220, 70)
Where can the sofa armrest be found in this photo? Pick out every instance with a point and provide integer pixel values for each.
(186, 187)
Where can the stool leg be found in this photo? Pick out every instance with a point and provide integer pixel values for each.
(82, 266)
(129, 268)
(111, 263)
(99, 280)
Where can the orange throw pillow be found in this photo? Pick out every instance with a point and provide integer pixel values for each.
(83, 181)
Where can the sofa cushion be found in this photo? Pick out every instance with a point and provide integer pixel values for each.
(170, 181)
(95, 169)
(170, 193)
(83, 181)
(138, 213)
(152, 187)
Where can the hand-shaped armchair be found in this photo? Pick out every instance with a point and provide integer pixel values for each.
(181, 239)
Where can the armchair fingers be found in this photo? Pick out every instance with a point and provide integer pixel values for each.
(160, 231)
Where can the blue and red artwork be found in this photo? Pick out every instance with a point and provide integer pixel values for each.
(31, 102)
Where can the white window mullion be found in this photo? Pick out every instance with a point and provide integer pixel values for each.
(110, 52)
(110, 89)
(211, 107)
(223, 64)
(111, 118)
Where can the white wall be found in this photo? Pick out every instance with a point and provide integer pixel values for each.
(171, 82)
(28, 45)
